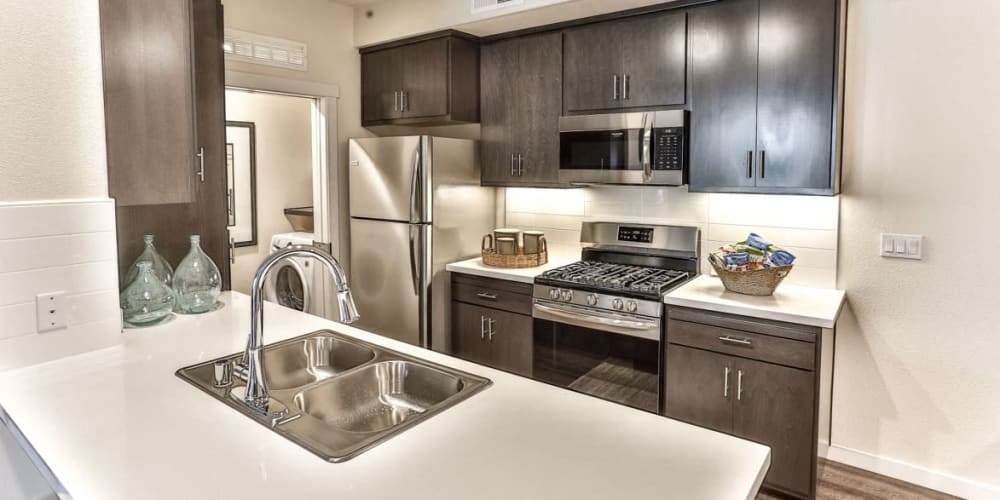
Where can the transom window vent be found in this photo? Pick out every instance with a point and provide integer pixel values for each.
(254, 48)
(488, 5)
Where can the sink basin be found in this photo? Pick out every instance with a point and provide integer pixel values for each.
(341, 396)
(378, 396)
(309, 360)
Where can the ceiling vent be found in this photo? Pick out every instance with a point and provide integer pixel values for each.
(479, 6)
(253, 48)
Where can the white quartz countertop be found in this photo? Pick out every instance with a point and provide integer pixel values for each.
(791, 303)
(118, 424)
(526, 275)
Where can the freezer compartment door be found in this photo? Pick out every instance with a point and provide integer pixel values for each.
(389, 178)
(389, 278)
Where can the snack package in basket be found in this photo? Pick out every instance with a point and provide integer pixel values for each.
(752, 254)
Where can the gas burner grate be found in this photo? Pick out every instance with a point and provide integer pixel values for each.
(615, 277)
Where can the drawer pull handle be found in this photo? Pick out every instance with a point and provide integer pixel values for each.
(725, 382)
(487, 296)
(731, 340)
(739, 385)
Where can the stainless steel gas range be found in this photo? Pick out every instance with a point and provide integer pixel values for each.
(598, 322)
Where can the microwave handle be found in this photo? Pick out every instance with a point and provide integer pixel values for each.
(645, 146)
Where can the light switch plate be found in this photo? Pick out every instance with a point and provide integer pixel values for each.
(50, 311)
(901, 246)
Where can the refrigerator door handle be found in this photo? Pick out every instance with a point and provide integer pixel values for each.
(416, 186)
(414, 274)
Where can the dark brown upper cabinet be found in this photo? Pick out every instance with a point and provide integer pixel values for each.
(763, 96)
(433, 80)
(521, 104)
(632, 63)
(165, 126)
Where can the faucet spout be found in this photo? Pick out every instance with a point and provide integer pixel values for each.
(256, 390)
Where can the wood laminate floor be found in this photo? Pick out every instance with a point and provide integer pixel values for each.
(842, 482)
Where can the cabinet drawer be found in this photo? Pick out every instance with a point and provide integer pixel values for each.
(497, 294)
(741, 343)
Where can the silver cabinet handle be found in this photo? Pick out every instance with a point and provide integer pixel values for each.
(725, 383)
(625, 89)
(513, 171)
(739, 385)
(201, 165)
(395, 100)
(749, 164)
(733, 340)
(487, 296)
(763, 171)
(490, 323)
(614, 86)
(482, 327)
(520, 165)
(404, 100)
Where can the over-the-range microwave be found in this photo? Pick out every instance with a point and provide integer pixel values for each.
(643, 148)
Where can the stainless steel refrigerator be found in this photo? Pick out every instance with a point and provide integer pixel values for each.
(416, 205)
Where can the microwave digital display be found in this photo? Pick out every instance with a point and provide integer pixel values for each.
(634, 234)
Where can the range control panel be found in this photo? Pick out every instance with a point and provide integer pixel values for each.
(633, 234)
(668, 148)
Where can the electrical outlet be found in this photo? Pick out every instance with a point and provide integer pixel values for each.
(50, 310)
(902, 246)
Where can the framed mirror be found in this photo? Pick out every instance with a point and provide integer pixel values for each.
(241, 172)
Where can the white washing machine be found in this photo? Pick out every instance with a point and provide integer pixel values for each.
(293, 282)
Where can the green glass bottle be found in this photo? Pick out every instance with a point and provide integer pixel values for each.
(197, 282)
(147, 300)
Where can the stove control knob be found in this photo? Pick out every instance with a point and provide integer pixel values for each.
(632, 306)
(567, 295)
(617, 304)
(592, 299)
(554, 293)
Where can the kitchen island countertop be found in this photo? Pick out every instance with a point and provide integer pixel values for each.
(118, 424)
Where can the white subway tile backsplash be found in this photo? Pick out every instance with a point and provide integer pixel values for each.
(805, 225)
(66, 246)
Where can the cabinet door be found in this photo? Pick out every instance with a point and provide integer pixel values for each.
(723, 39)
(511, 341)
(776, 406)
(591, 61)
(381, 80)
(795, 93)
(469, 332)
(655, 53)
(425, 78)
(538, 89)
(700, 387)
(498, 111)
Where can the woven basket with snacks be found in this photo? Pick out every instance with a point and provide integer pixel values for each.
(752, 267)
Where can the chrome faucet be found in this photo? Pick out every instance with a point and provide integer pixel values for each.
(253, 362)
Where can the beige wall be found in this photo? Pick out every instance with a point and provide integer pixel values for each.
(395, 19)
(328, 30)
(283, 127)
(916, 375)
(51, 101)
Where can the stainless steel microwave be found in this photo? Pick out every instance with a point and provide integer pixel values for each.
(643, 148)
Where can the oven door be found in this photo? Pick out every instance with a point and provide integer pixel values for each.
(608, 355)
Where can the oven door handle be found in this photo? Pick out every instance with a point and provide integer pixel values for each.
(614, 323)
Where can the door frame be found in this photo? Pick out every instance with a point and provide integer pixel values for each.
(325, 147)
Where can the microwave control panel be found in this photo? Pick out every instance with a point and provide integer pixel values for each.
(668, 148)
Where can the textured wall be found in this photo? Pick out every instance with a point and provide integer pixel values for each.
(51, 101)
(917, 374)
(283, 127)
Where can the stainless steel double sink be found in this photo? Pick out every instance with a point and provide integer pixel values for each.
(343, 396)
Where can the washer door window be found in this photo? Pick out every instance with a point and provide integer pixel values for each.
(288, 286)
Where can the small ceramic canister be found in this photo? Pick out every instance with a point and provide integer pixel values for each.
(506, 246)
(515, 234)
(533, 242)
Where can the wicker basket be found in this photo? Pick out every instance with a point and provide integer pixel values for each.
(521, 260)
(760, 282)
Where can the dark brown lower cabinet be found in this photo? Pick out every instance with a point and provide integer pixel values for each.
(715, 378)
(493, 336)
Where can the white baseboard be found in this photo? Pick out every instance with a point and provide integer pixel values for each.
(940, 481)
